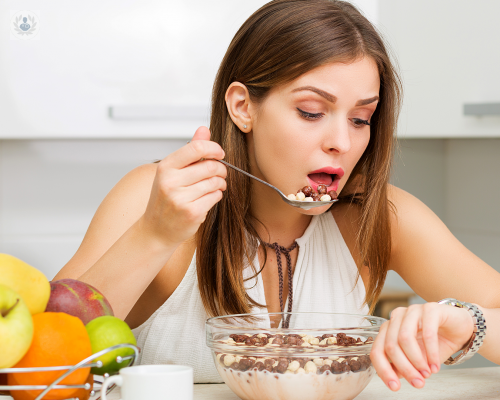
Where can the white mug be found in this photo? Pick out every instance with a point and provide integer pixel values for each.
(153, 382)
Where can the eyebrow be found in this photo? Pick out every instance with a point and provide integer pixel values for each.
(331, 98)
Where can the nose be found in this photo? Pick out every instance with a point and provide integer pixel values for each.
(337, 138)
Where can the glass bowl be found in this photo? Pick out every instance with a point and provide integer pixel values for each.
(319, 356)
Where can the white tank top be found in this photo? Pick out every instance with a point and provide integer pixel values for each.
(324, 278)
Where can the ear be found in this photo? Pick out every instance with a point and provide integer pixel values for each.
(239, 106)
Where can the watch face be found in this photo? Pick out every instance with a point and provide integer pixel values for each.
(451, 302)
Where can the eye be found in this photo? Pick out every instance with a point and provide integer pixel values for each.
(309, 116)
(358, 122)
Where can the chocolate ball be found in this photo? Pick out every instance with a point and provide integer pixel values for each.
(354, 364)
(246, 363)
(322, 189)
(234, 365)
(278, 340)
(307, 190)
(259, 365)
(324, 368)
(269, 362)
(282, 366)
(333, 194)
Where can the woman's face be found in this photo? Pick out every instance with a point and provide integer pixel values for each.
(313, 130)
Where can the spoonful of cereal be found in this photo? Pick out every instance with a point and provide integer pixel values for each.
(306, 198)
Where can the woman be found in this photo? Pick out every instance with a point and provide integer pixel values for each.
(305, 95)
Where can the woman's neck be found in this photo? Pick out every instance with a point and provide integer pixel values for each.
(284, 224)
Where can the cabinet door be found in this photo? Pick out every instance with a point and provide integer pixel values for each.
(115, 68)
(449, 55)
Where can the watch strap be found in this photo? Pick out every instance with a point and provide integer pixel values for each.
(477, 338)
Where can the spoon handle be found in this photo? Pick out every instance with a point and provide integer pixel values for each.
(250, 175)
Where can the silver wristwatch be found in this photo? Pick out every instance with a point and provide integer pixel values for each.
(477, 337)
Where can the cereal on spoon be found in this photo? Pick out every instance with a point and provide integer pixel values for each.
(307, 193)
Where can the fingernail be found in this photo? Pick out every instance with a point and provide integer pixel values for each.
(434, 368)
(425, 374)
(393, 385)
(418, 383)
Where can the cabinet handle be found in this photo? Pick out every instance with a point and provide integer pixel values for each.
(479, 109)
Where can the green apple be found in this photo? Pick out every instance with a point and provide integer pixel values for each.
(107, 331)
(16, 327)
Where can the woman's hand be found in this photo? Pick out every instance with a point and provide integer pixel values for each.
(185, 188)
(416, 340)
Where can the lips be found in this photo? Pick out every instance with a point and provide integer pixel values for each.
(328, 176)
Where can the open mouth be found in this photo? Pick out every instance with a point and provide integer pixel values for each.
(330, 178)
(322, 178)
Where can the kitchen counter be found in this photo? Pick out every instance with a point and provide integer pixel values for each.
(463, 384)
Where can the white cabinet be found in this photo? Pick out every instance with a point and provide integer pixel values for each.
(153, 61)
(449, 56)
(145, 69)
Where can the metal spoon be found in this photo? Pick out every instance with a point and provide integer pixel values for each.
(306, 205)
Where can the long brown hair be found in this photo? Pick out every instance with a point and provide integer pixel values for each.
(279, 42)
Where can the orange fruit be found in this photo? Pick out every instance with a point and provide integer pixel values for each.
(83, 394)
(80, 394)
(58, 339)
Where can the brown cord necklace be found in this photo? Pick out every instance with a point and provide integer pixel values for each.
(280, 249)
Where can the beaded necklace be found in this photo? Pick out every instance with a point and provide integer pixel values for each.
(280, 249)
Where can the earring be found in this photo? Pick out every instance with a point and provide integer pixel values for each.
(244, 127)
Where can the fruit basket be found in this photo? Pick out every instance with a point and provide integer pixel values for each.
(86, 363)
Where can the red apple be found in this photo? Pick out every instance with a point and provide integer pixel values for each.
(78, 299)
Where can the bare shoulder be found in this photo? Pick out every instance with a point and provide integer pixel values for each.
(409, 217)
(119, 210)
(402, 199)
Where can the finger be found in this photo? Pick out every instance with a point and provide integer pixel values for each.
(195, 212)
(202, 133)
(199, 189)
(396, 353)
(430, 327)
(206, 202)
(408, 342)
(197, 172)
(396, 370)
(380, 361)
(191, 153)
